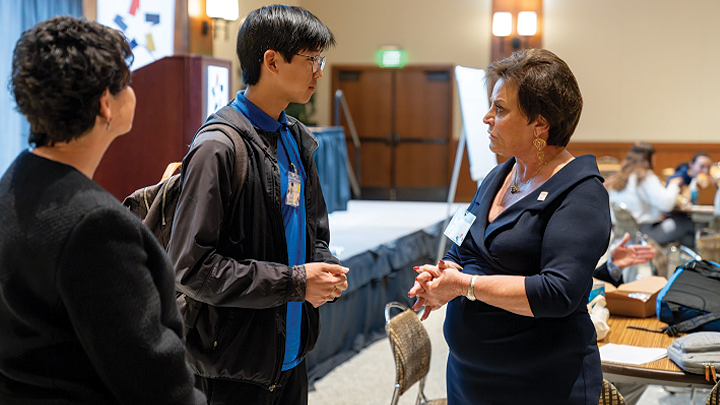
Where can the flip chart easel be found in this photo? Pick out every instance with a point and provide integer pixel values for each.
(473, 105)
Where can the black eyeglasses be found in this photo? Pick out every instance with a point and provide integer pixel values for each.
(318, 61)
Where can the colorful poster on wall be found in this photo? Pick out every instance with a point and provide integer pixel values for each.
(149, 26)
(218, 78)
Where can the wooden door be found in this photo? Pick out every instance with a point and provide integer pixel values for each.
(403, 120)
(368, 94)
(423, 110)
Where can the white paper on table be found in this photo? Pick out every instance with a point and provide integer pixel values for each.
(631, 354)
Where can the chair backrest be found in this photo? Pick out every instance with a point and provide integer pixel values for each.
(624, 221)
(607, 165)
(410, 344)
(714, 398)
(659, 262)
(609, 395)
(708, 244)
(715, 222)
(607, 159)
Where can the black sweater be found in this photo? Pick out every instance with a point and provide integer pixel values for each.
(87, 308)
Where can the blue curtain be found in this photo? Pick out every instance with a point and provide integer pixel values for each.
(17, 16)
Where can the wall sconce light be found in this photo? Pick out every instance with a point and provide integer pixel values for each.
(502, 27)
(527, 25)
(526, 28)
(226, 10)
(502, 24)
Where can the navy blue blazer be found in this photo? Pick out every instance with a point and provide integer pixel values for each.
(553, 237)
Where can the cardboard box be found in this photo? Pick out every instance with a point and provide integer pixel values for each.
(635, 299)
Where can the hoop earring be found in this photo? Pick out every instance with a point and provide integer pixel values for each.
(540, 144)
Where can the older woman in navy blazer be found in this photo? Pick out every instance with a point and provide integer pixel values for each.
(517, 286)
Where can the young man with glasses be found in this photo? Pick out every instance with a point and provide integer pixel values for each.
(253, 255)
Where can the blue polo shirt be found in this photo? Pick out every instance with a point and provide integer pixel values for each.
(288, 159)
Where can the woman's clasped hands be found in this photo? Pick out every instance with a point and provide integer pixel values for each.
(436, 285)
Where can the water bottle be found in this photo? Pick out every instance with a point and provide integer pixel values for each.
(693, 191)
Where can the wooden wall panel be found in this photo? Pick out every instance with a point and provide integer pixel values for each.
(200, 29)
(666, 155)
(501, 48)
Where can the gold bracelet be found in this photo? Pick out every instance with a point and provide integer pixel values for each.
(471, 289)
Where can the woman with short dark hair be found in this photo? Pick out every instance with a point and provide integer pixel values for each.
(87, 302)
(518, 279)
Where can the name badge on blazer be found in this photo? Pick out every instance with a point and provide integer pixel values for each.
(459, 225)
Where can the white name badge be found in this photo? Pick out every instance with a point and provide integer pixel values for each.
(292, 198)
(459, 225)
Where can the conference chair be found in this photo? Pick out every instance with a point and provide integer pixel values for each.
(607, 165)
(624, 222)
(607, 159)
(609, 395)
(410, 344)
(715, 223)
(707, 242)
(659, 262)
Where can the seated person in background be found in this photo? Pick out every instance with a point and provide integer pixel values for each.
(695, 176)
(700, 164)
(87, 297)
(637, 187)
(621, 256)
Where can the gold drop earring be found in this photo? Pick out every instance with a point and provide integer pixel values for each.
(540, 144)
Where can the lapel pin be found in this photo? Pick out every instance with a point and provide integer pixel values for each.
(542, 196)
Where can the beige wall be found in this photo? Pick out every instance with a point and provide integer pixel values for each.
(432, 32)
(453, 32)
(224, 48)
(648, 69)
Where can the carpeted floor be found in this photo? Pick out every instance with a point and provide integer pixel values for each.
(368, 377)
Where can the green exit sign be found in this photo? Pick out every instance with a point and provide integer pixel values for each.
(391, 58)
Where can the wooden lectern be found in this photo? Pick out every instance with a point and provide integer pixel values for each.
(172, 103)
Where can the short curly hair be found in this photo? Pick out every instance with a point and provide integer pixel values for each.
(60, 69)
(546, 86)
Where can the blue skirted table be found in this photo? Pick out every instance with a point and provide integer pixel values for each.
(331, 160)
(380, 242)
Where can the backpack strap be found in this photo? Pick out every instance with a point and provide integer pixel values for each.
(691, 324)
(228, 126)
(241, 158)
